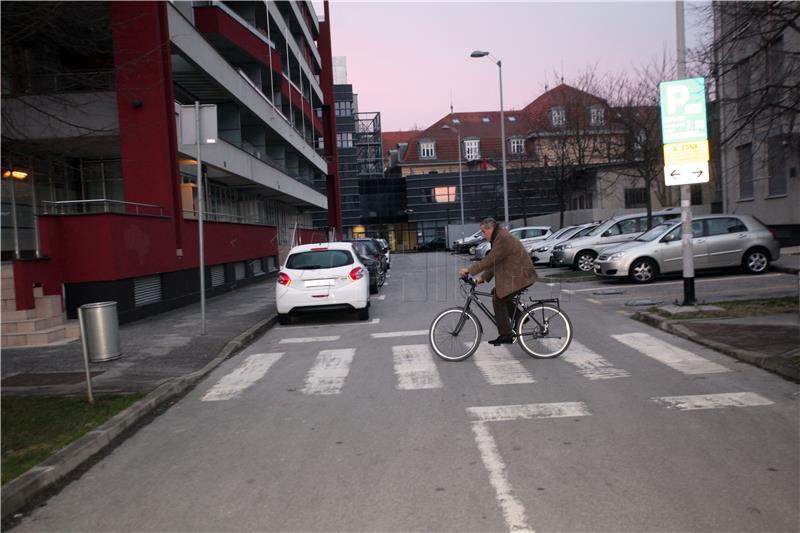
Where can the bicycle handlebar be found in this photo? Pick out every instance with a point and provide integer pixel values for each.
(468, 280)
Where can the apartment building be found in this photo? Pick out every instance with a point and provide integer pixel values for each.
(100, 193)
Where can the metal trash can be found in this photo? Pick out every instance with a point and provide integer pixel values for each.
(100, 331)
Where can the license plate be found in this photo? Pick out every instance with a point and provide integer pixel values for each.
(319, 283)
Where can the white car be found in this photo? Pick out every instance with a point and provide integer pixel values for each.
(541, 252)
(529, 236)
(322, 277)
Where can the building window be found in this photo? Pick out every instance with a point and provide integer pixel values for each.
(517, 146)
(635, 197)
(597, 116)
(438, 195)
(512, 119)
(558, 116)
(743, 87)
(776, 153)
(456, 121)
(472, 149)
(344, 140)
(696, 191)
(485, 120)
(745, 157)
(343, 108)
(427, 150)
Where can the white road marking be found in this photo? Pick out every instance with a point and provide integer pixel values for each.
(590, 364)
(512, 508)
(713, 401)
(390, 334)
(375, 321)
(233, 385)
(414, 368)
(497, 413)
(499, 367)
(329, 372)
(672, 356)
(298, 340)
(592, 300)
(381, 297)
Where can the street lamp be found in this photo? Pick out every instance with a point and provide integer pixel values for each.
(460, 181)
(481, 53)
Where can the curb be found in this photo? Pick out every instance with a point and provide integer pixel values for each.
(25, 489)
(777, 365)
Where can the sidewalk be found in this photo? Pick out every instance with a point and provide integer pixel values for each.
(165, 355)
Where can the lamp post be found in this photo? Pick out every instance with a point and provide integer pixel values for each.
(460, 180)
(480, 53)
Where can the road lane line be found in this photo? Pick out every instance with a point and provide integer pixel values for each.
(329, 372)
(670, 355)
(381, 297)
(512, 508)
(498, 413)
(590, 364)
(414, 368)
(712, 401)
(663, 283)
(234, 384)
(499, 367)
(298, 340)
(390, 334)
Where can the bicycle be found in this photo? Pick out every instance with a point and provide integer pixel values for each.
(542, 329)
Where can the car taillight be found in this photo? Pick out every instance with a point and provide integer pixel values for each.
(356, 274)
(284, 279)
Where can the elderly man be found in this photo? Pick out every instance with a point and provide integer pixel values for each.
(512, 269)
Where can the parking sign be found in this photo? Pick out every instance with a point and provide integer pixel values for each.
(683, 110)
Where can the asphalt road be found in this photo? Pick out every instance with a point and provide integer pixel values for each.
(331, 424)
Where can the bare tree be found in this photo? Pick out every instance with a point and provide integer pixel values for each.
(750, 51)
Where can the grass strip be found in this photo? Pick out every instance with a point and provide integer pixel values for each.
(738, 309)
(35, 427)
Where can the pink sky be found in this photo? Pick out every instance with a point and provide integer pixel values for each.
(406, 59)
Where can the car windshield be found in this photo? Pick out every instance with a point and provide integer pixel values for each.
(589, 230)
(559, 233)
(654, 233)
(367, 248)
(316, 259)
(597, 230)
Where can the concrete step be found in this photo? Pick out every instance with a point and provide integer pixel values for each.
(32, 325)
(39, 338)
(48, 306)
(18, 315)
(9, 305)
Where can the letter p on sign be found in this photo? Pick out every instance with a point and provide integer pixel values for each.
(677, 96)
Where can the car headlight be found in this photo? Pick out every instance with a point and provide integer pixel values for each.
(543, 249)
(616, 256)
(566, 247)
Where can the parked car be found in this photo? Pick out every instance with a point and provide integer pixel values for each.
(541, 252)
(322, 277)
(461, 246)
(386, 250)
(718, 241)
(580, 253)
(437, 243)
(372, 248)
(375, 265)
(528, 235)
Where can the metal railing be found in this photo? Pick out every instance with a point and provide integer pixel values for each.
(99, 205)
(191, 214)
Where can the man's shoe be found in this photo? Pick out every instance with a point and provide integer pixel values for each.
(502, 339)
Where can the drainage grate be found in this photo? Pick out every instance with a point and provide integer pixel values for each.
(47, 378)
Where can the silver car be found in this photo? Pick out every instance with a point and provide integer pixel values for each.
(580, 253)
(718, 241)
(542, 252)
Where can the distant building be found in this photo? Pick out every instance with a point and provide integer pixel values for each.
(99, 183)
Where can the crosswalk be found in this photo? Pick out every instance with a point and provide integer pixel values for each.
(415, 368)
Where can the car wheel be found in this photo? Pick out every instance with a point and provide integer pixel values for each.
(373, 288)
(755, 261)
(643, 271)
(363, 314)
(584, 261)
(284, 319)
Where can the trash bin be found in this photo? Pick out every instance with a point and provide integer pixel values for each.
(100, 331)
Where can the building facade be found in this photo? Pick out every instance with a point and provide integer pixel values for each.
(756, 58)
(100, 187)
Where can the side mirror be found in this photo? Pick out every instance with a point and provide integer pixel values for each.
(606, 233)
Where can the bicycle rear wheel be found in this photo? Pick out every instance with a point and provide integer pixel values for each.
(455, 335)
(544, 331)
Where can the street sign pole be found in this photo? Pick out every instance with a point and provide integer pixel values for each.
(686, 190)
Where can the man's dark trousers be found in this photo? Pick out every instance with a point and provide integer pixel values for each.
(503, 309)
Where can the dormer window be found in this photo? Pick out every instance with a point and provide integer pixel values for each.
(427, 150)
(558, 116)
(456, 121)
(517, 145)
(472, 149)
(485, 119)
(512, 119)
(597, 116)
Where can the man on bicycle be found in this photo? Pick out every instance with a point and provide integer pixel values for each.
(512, 269)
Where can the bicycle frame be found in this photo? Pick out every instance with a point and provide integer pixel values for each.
(519, 308)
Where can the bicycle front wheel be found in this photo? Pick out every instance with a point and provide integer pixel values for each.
(454, 334)
(544, 331)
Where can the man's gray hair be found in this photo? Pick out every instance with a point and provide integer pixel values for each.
(489, 222)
